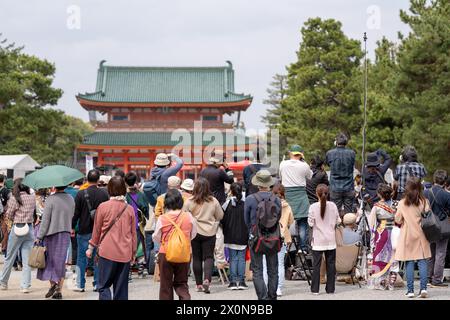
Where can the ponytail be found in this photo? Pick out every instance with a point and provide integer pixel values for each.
(322, 195)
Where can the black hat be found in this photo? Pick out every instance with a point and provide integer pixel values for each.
(372, 160)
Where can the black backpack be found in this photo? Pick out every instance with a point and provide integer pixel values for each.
(266, 233)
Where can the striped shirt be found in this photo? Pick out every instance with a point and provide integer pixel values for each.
(21, 213)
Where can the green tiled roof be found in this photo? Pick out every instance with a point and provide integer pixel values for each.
(165, 84)
(157, 139)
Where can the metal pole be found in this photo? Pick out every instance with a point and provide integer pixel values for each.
(363, 153)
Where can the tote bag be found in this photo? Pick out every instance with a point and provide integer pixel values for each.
(37, 257)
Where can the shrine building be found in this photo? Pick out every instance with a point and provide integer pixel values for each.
(137, 112)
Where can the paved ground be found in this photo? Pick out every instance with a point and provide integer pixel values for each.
(144, 289)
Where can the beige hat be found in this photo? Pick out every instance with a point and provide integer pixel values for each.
(188, 184)
(104, 179)
(173, 182)
(349, 218)
(263, 178)
(162, 159)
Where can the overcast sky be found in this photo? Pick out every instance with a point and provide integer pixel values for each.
(260, 37)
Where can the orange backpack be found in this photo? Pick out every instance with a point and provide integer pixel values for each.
(178, 247)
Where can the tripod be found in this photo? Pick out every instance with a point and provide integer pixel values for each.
(363, 227)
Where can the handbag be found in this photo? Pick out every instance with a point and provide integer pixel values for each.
(37, 257)
(443, 223)
(21, 229)
(430, 225)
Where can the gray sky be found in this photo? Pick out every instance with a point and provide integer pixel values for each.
(260, 37)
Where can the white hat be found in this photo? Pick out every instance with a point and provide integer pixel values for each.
(173, 182)
(188, 184)
(349, 218)
(162, 159)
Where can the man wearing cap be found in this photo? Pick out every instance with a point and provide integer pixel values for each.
(341, 161)
(294, 173)
(164, 170)
(217, 177)
(350, 235)
(263, 180)
(373, 173)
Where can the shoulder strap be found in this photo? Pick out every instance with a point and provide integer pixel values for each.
(437, 202)
(112, 224)
(257, 197)
(174, 224)
(88, 201)
(381, 176)
(129, 195)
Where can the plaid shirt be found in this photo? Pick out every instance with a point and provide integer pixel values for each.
(402, 173)
(21, 213)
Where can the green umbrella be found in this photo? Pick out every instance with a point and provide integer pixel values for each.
(52, 176)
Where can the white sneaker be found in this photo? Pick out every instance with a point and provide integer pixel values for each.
(76, 289)
(315, 293)
(423, 294)
(3, 286)
(279, 293)
(26, 290)
(410, 294)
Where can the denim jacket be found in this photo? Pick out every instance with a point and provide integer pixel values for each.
(341, 161)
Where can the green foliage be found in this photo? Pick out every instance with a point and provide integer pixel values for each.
(25, 79)
(423, 85)
(408, 88)
(323, 96)
(47, 135)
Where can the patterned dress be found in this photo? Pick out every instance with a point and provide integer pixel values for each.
(383, 239)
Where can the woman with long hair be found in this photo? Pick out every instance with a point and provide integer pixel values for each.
(21, 206)
(235, 233)
(207, 211)
(323, 217)
(412, 244)
(54, 232)
(383, 239)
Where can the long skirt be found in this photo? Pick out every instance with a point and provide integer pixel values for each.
(383, 262)
(55, 262)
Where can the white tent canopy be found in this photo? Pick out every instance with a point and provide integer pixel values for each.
(19, 163)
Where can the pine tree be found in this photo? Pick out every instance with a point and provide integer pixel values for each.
(323, 96)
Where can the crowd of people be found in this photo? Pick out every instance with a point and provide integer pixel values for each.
(110, 227)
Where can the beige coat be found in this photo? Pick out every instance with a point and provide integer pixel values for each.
(287, 218)
(207, 215)
(412, 244)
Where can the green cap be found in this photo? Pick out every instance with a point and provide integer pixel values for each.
(296, 149)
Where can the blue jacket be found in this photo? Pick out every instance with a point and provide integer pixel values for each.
(341, 161)
(250, 207)
(166, 172)
(440, 203)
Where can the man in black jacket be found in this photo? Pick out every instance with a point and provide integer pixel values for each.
(319, 177)
(217, 177)
(86, 201)
(373, 173)
(440, 205)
